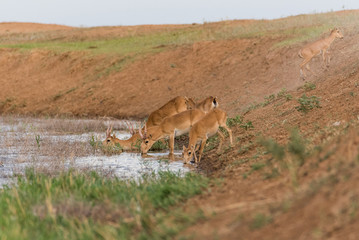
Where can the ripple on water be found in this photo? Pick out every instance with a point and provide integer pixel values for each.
(125, 165)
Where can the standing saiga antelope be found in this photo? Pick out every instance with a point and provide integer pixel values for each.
(207, 104)
(171, 127)
(202, 130)
(317, 47)
(176, 105)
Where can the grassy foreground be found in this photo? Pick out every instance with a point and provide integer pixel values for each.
(89, 206)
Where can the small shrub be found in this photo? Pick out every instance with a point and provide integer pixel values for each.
(273, 148)
(307, 103)
(257, 166)
(93, 141)
(247, 125)
(234, 121)
(290, 156)
(238, 120)
(260, 220)
(308, 86)
(296, 146)
(268, 99)
(282, 93)
(273, 174)
(288, 97)
(212, 142)
(38, 140)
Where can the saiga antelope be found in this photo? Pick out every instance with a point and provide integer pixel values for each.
(176, 125)
(202, 130)
(128, 144)
(317, 47)
(207, 104)
(172, 107)
(171, 127)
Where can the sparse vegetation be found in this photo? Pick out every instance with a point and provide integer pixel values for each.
(260, 220)
(159, 146)
(238, 120)
(38, 140)
(284, 94)
(290, 156)
(248, 125)
(307, 103)
(308, 86)
(212, 143)
(82, 204)
(107, 149)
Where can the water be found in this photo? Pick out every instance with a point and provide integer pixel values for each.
(46, 145)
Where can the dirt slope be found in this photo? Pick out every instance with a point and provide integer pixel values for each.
(253, 201)
(255, 204)
(238, 71)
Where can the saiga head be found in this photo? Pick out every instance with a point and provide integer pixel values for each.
(337, 33)
(187, 154)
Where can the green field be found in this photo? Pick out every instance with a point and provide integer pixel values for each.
(89, 206)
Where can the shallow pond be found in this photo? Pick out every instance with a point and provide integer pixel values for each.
(50, 145)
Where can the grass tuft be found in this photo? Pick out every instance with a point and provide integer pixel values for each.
(90, 206)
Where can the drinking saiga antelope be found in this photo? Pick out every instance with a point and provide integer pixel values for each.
(127, 144)
(202, 130)
(313, 49)
(176, 125)
(172, 107)
(171, 127)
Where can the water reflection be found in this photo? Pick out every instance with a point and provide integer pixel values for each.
(29, 142)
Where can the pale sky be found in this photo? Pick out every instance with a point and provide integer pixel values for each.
(90, 13)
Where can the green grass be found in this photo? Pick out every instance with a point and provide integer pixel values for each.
(106, 149)
(307, 103)
(291, 30)
(149, 43)
(296, 35)
(260, 220)
(89, 206)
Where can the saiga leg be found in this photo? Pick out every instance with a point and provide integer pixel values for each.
(229, 133)
(221, 140)
(172, 143)
(203, 144)
(305, 61)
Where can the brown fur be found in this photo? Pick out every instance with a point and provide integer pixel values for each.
(317, 47)
(208, 104)
(170, 127)
(174, 106)
(128, 144)
(203, 129)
